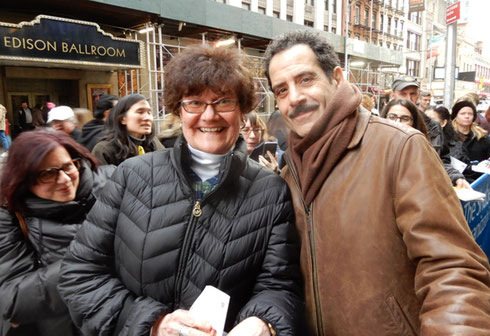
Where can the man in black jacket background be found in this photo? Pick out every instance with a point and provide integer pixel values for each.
(94, 129)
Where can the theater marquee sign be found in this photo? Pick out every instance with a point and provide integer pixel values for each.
(58, 40)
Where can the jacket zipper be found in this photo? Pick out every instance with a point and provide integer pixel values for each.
(186, 247)
(189, 234)
(311, 236)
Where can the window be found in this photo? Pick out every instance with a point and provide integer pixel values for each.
(366, 38)
(358, 14)
(308, 23)
(310, 2)
(326, 5)
(375, 41)
(275, 14)
(325, 28)
(375, 14)
(366, 17)
(261, 10)
(357, 36)
(381, 23)
(334, 30)
(413, 68)
(413, 41)
(388, 45)
(289, 18)
(245, 6)
(388, 26)
(334, 6)
(416, 17)
(401, 28)
(396, 27)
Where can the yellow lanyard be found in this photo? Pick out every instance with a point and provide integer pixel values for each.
(141, 150)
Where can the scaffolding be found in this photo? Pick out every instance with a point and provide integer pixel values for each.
(158, 52)
(373, 82)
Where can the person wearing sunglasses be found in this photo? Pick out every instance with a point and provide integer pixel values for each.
(198, 214)
(48, 185)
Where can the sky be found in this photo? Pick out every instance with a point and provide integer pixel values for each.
(478, 22)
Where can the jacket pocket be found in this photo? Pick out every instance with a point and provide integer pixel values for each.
(399, 317)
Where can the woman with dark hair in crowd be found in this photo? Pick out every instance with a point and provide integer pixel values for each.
(48, 185)
(199, 214)
(129, 131)
(405, 112)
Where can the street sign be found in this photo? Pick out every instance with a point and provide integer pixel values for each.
(453, 13)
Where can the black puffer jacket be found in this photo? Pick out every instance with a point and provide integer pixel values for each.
(29, 271)
(146, 249)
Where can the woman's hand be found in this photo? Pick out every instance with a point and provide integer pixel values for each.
(462, 183)
(272, 163)
(251, 326)
(182, 323)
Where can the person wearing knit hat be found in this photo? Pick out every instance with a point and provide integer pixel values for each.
(62, 118)
(475, 139)
(464, 104)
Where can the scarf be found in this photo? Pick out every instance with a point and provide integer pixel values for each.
(316, 154)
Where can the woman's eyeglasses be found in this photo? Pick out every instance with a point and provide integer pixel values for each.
(198, 107)
(403, 119)
(247, 131)
(51, 174)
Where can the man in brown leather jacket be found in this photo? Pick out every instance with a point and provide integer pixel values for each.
(385, 247)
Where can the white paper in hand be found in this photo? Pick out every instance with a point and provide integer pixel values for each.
(457, 164)
(469, 194)
(482, 167)
(212, 306)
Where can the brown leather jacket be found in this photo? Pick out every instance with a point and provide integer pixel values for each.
(386, 249)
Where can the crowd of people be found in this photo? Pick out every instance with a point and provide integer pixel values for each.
(329, 218)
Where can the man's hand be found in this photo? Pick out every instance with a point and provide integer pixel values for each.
(462, 183)
(181, 321)
(251, 326)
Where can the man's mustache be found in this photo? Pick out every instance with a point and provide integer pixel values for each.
(306, 107)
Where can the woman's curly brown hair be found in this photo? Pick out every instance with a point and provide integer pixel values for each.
(222, 70)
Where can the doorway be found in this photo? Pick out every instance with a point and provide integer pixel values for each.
(40, 91)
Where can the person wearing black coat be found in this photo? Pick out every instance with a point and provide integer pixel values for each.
(94, 130)
(475, 139)
(52, 203)
(129, 131)
(172, 222)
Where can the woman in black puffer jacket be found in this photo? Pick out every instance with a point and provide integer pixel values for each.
(49, 183)
(172, 222)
